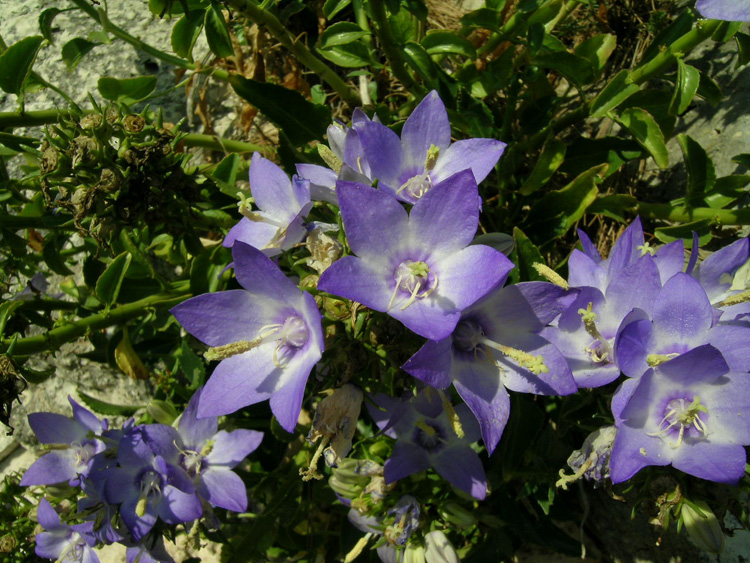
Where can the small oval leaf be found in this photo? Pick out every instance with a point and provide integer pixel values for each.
(16, 63)
(217, 33)
(647, 132)
(126, 90)
(340, 34)
(439, 42)
(186, 32)
(74, 50)
(688, 80)
(109, 283)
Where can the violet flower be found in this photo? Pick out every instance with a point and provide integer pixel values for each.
(78, 440)
(495, 346)
(727, 10)
(282, 205)
(63, 543)
(148, 487)
(267, 336)
(206, 454)
(409, 167)
(417, 267)
(690, 412)
(427, 436)
(682, 319)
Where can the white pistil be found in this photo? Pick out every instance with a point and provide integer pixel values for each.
(684, 416)
(646, 248)
(412, 277)
(654, 360)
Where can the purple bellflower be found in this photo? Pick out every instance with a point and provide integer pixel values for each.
(206, 454)
(430, 432)
(727, 10)
(63, 543)
(148, 487)
(409, 167)
(77, 439)
(496, 346)
(149, 550)
(417, 267)
(691, 412)
(682, 319)
(267, 336)
(277, 225)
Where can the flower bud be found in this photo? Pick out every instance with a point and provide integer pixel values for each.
(133, 123)
(438, 549)
(704, 529)
(336, 420)
(414, 553)
(457, 515)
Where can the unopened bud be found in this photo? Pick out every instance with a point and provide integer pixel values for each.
(703, 527)
(438, 549)
(457, 515)
(128, 361)
(133, 123)
(414, 553)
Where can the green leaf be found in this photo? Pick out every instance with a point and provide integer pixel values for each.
(109, 283)
(340, 34)
(743, 49)
(16, 63)
(742, 159)
(217, 33)
(597, 50)
(186, 32)
(45, 22)
(646, 131)
(726, 31)
(700, 171)
(526, 254)
(615, 92)
(685, 232)
(105, 408)
(557, 212)
(550, 160)
(616, 206)
(576, 69)
(483, 17)
(301, 120)
(192, 366)
(6, 310)
(225, 174)
(51, 254)
(439, 42)
(688, 79)
(709, 90)
(75, 49)
(333, 7)
(351, 55)
(126, 90)
(404, 26)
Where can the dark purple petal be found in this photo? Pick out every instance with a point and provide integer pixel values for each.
(722, 463)
(426, 126)
(632, 451)
(51, 428)
(522, 307)
(728, 10)
(462, 468)
(176, 507)
(589, 249)
(405, 460)
(195, 432)
(225, 488)
(632, 347)
(53, 467)
(383, 150)
(230, 448)
(621, 398)
(375, 223)
(446, 217)
(700, 365)
(164, 441)
(479, 155)
(386, 412)
(48, 517)
(432, 363)
(479, 386)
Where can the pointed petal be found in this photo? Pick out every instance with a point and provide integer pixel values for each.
(176, 507)
(682, 312)
(382, 148)
(274, 193)
(48, 517)
(462, 468)
(480, 155)
(626, 250)
(727, 10)
(363, 281)
(51, 428)
(432, 363)
(426, 126)
(139, 526)
(195, 432)
(734, 344)
(633, 345)
(670, 259)
(589, 249)
(286, 402)
(722, 463)
(699, 365)
(85, 417)
(632, 451)
(255, 233)
(230, 448)
(715, 272)
(405, 460)
(585, 272)
(729, 408)
(226, 489)
(258, 274)
(52, 468)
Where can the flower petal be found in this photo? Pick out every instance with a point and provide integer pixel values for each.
(480, 155)
(383, 150)
(722, 463)
(426, 126)
(432, 363)
(405, 460)
(462, 468)
(230, 448)
(53, 467)
(195, 432)
(225, 488)
(176, 507)
(51, 428)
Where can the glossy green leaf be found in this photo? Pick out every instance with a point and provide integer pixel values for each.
(576, 69)
(709, 90)
(301, 120)
(217, 34)
(75, 49)
(726, 31)
(685, 232)
(333, 7)
(340, 34)
(186, 32)
(109, 283)
(688, 79)
(597, 50)
(126, 90)
(351, 55)
(405, 27)
(656, 103)
(525, 255)
(484, 18)
(700, 171)
(419, 60)
(554, 214)
(615, 92)
(616, 206)
(743, 48)
(646, 131)
(439, 42)
(16, 63)
(225, 174)
(105, 408)
(45, 22)
(550, 160)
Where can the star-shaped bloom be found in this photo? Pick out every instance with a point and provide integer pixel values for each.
(495, 346)
(691, 412)
(63, 543)
(268, 337)
(408, 167)
(430, 432)
(727, 10)
(417, 267)
(206, 454)
(282, 204)
(76, 441)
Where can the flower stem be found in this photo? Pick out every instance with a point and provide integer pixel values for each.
(54, 338)
(668, 212)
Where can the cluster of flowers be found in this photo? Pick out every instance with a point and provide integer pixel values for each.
(133, 480)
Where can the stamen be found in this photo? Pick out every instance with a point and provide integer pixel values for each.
(328, 156)
(432, 156)
(735, 299)
(550, 275)
(413, 277)
(452, 415)
(232, 349)
(654, 360)
(600, 348)
(678, 414)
